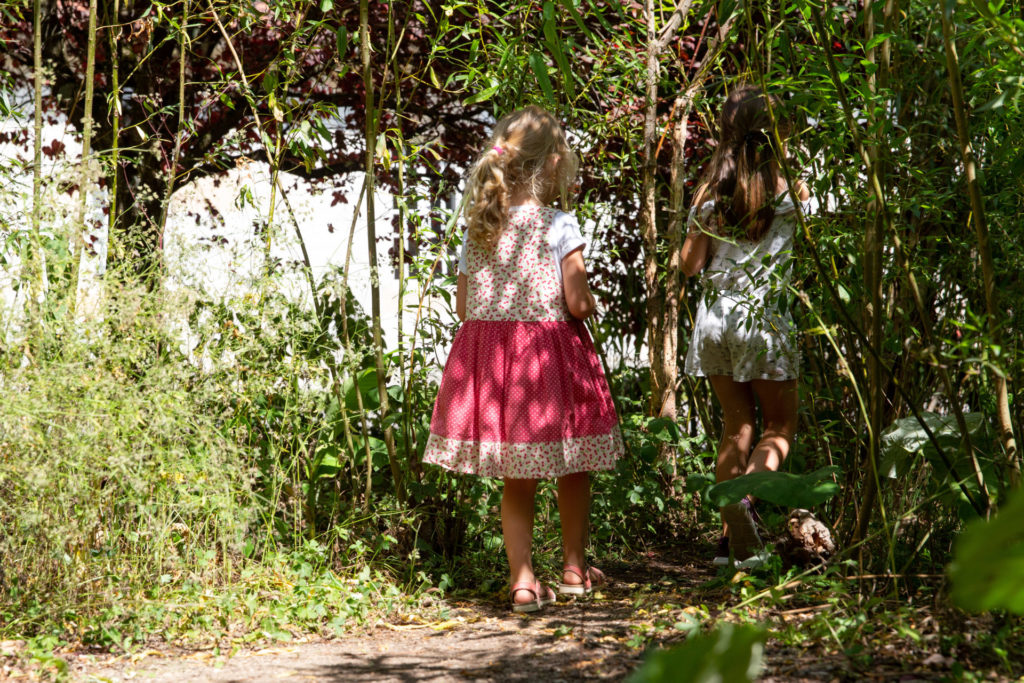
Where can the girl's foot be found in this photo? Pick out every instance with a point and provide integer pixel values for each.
(721, 553)
(576, 581)
(743, 538)
(530, 596)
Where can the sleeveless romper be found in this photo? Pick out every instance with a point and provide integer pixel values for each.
(743, 327)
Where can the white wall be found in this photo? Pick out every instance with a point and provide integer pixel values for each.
(220, 256)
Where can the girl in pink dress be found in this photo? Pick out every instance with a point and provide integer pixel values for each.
(523, 396)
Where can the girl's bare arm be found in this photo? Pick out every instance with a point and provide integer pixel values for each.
(577, 290)
(694, 253)
(460, 296)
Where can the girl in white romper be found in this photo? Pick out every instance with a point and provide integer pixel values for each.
(523, 396)
(742, 221)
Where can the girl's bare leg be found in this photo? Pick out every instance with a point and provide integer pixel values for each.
(738, 422)
(574, 509)
(738, 416)
(517, 505)
(779, 416)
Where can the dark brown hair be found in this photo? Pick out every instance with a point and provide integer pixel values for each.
(517, 157)
(744, 171)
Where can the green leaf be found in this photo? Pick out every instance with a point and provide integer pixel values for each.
(574, 13)
(907, 437)
(540, 70)
(367, 383)
(698, 482)
(843, 292)
(329, 464)
(988, 561)
(1011, 90)
(878, 40)
(781, 488)
(481, 96)
(729, 653)
(555, 46)
(341, 39)
(270, 81)
(657, 425)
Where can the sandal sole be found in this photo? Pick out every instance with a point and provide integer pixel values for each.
(526, 608)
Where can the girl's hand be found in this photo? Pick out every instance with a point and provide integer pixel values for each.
(577, 290)
(802, 191)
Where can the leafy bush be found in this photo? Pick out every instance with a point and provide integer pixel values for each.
(115, 469)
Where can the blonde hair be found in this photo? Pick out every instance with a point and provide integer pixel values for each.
(518, 157)
(744, 170)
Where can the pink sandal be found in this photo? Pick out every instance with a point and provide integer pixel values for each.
(542, 595)
(589, 577)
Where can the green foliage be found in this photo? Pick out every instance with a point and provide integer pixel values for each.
(906, 440)
(728, 653)
(782, 488)
(988, 562)
(127, 457)
(115, 468)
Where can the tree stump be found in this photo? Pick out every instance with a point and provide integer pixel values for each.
(807, 542)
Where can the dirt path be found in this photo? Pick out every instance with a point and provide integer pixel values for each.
(483, 641)
(478, 647)
(598, 639)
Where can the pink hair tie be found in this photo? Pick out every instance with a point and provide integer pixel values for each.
(498, 149)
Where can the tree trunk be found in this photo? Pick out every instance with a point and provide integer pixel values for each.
(371, 239)
(872, 258)
(114, 112)
(34, 268)
(649, 225)
(669, 366)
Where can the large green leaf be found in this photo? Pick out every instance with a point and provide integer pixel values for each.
(554, 45)
(729, 653)
(987, 571)
(905, 442)
(781, 488)
(906, 437)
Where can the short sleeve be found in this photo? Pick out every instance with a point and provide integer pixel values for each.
(809, 206)
(564, 236)
(463, 260)
(698, 218)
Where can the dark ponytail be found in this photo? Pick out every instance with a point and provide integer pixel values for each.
(744, 170)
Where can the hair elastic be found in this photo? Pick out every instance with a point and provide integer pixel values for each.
(498, 149)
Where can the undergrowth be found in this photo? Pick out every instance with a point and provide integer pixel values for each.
(135, 504)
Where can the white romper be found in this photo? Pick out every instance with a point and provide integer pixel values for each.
(743, 328)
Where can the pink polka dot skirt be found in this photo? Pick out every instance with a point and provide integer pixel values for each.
(520, 397)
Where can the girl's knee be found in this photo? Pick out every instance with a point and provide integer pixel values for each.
(738, 431)
(520, 487)
(575, 478)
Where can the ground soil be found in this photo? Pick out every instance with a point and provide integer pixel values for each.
(594, 639)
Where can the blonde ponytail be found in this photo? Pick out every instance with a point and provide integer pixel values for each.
(487, 205)
(517, 159)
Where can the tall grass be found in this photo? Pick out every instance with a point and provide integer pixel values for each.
(115, 467)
